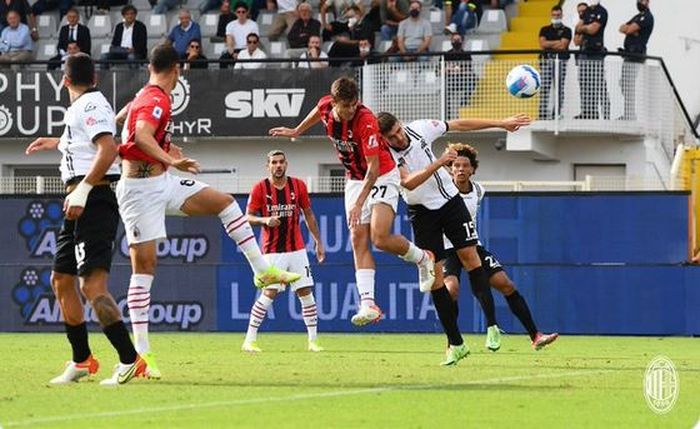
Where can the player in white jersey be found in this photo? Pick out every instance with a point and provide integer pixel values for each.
(84, 244)
(435, 207)
(462, 169)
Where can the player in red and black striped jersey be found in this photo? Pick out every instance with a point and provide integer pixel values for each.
(371, 190)
(276, 203)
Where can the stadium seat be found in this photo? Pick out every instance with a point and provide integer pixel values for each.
(326, 47)
(265, 22)
(141, 5)
(100, 26)
(214, 50)
(46, 24)
(45, 50)
(100, 46)
(209, 23)
(437, 43)
(157, 26)
(382, 46)
(437, 20)
(277, 49)
(493, 22)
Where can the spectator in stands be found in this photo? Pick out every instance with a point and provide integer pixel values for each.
(500, 4)
(163, 6)
(63, 6)
(461, 80)
(392, 12)
(285, 18)
(130, 38)
(593, 83)
(103, 6)
(415, 33)
(313, 51)
(578, 41)
(181, 35)
(237, 34)
(340, 10)
(194, 59)
(554, 41)
(225, 17)
(73, 31)
(252, 52)
(361, 34)
(303, 28)
(637, 32)
(16, 43)
(464, 19)
(26, 16)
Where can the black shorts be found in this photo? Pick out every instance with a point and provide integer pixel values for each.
(453, 266)
(88, 242)
(451, 220)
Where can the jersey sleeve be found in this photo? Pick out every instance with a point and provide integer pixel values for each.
(304, 200)
(543, 32)
(370, 138)
(430, 130)
(255, 199)
(567, 33)
(481, 192)
(98, 121)
(150, 110)
(645, 21)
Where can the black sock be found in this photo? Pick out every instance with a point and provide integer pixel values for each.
(78, 338)
(445, 310)
(519, 307)
(482, 292)
(119, 337)
(455, 305)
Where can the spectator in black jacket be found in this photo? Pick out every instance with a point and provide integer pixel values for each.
(194, 57)
(303, 28)
(361, 35)
(129, 40)
(225, 17)
(73, 31)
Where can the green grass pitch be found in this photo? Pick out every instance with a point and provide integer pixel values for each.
(361, 381)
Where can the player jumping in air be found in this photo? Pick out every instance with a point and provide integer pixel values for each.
(147, 190)
(436, 209)
(85, 242)
(371, 190)
(463, 168)
(276, 203)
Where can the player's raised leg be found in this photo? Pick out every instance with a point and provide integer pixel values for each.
(368, 312)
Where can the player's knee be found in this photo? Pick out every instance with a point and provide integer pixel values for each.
(380, 239)
(506, 287)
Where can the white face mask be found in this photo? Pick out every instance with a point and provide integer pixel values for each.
(556, 21)
(364, 50)
(352, 22)
(593, 2)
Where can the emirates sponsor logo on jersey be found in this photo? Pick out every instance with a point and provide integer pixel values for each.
(281, 210)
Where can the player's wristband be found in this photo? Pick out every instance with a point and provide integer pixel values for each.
(79, 196)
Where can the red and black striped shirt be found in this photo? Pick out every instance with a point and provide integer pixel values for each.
(356, 139)
(286, 204)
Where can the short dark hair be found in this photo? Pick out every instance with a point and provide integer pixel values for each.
(163, 57)
(241, 4)
(582, 4)
(466, 151)
(556, 8)
(345, 89)
(252, 35)
(276, 152)
(386, 122)
(80, 70)
(129, 8)
(73, 10)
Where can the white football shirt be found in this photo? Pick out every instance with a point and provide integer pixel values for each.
(88, 117)
(438, 189)
(473, 202)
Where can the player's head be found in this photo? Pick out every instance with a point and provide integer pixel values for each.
(346, 97)
(277, 163)
(164, 64)
(79, 72)
(466, 163)
(392, 130)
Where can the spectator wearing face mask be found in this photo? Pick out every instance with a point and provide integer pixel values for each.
(313, 51)
(637, 32)
(592, 68)
(554, 42)
(459, 76)
(391, 13)
(360, 34)
(414, 34)
(340, 10)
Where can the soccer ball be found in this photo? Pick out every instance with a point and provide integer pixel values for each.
(523, 81)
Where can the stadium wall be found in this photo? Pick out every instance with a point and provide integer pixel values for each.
(587, 264)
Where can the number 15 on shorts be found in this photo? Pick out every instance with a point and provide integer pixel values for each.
(471, 230)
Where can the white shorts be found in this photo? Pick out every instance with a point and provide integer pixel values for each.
(386, 190)
(295, 262)
(143, 203)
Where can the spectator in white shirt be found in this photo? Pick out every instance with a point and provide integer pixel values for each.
(313, 51)
(129, 40)
(252, 52)
(236, 34)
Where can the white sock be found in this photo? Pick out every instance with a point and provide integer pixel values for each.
(365, 286)
(308, 310)
(139, 302)
(414, 254)
(238, 228)
(257, 315)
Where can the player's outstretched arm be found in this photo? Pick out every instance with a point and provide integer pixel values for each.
(106, 154)
(413, 180)
(42, 143)
(145, 141)
(311, 223)
(311, 119)
(511, 124)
